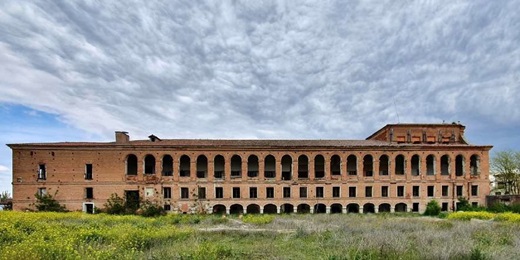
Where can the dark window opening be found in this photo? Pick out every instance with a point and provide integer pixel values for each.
(352, 165)
(459, 190)
(336, 192)
(131, 165)
(416, 191)
(416, 161)
(185, 193)
(89, 208)
(384, 191)
(88, 171)
(167, 207)
(219, 192)
(89, 193)
(184, 167)
(219, 163)
(252, 166)
(269, 167)
(445, 165)
(352, 192)
(368, 191)
(303, 167)
(431, 191)
(368, 165)
(444, 206)
(445, 190)
(415, 207)
(269, 192)
(286, 192)
(201, 191)
(167, 192)
(303, 192)
(319, 192)
(319, 166)
(236, 192)
(149, 164)
(286, 167)
(400, 191)
(236, 166)
(474, 163)
(459, 165)
(202, 166)
(335, 165)
(132, 199)
(167, 165)
(383, 165)
(430, 165)
(399, 165)
(253, 193)
(474, 190)
(42, 172)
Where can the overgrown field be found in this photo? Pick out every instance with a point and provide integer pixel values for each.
(320, 236)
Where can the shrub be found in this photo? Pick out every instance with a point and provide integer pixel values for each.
(432, 208)
(258, 219)
(46, 202)
(149, 209)
(115, 205)
(463, 204)
(471, 215)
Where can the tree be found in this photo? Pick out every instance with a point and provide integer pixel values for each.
(5, 196)
(46, 202)
(432, 208)
(505, 166)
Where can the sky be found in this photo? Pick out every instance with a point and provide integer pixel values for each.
(80, 70)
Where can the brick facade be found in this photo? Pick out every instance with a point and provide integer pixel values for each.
(403, 166)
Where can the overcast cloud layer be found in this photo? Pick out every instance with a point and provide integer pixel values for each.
(263, 69)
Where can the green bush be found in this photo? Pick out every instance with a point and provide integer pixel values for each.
(149, 209)
(432, 208)
(46, 202)
(115, 205)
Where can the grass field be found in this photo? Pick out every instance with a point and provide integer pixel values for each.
(81, 236)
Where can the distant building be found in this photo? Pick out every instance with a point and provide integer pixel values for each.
(401, 167)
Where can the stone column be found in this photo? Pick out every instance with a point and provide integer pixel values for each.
(327, 210)
(344, 210)
(261, 209)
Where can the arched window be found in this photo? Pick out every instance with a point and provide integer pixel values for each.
(252, 166)
(286, 167)
(131, 164)
(445, 165)
(352, 165)
(303, 167)
(149, 164)
(335, 165)
(167, 165)
(319, 166)
(236, 166)
(184, 167)
(459, 165)
(368, 165)
(383, 164)
(202, 166)
(474, 164)
(416, 165)
(430, 164)
(218, 167)
(399, 165)
(269, 167)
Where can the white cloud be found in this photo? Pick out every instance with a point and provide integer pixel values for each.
(4, 169)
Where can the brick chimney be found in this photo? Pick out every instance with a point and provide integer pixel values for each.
(122, 137)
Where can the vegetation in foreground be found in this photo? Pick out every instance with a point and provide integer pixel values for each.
(381, 236)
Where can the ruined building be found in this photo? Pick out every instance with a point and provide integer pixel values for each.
(399, 168)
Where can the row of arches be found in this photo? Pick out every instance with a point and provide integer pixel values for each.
(304, 208)
(304, 167)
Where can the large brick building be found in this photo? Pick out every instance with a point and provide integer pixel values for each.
(401, 167)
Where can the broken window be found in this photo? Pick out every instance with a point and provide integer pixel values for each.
(319, 166)
(167, 207)
(445, 165)
(269, 192)
(132, 199)
(368, 165)
(368, 191)
(236, 166)
(253, 193)
(286, 192)
(88, 171)
(335, 165)
(303, 192)
(352, 165)
(202, 166)
(352, 192)
(149, 164)
(399, 165)
(184, 167)
(167, 192)
(445, 190)
(416, 191)
(286, 167)
(252, 166)
(459, 190)
(383, 164)
(303, 167)
(219, 192)
(431, 191)
(269, 167)
(149, 192)
(474, 164)
(185, 193)
(42, 172)
(131, 165)
(400, 191)
(236, 192)
(416, 165)
(474, 190)
(459, 165)
(201, 193)
(167, 165)
(319, 192)
(89, 193)
(430, 164)
(415, 207)
(384, 191)
(42, 191)
(219, 164)
(336, 192)
(444, 206)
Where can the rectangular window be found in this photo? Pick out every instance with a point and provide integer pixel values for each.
(42, 172)
(444, 206)
(88, 171)
(431, 191)
(202, 193)
(236, 192)
(286, 192)
(219, 192)
(400, 191)
(185, 193)
(445, 190)
(167, 207)
(253, 194)
(319, 192)
(474, 190)
(149, 192)
(89, 193)
(415, 191)
(336, 192)
(352, 192)
(42, 191)
(474, 204)
(368, 191)
(269, 192)
(415, 207)
(384, 191)
(459, 190)
(167, 192)
(303, 192)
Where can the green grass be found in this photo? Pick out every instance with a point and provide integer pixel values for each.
(339, 236)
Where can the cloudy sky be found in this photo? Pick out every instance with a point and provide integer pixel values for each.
(255, 69)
